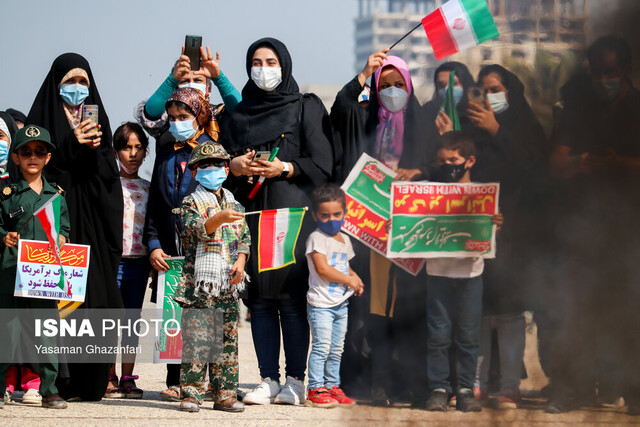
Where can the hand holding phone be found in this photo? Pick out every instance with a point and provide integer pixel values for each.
(477, 94)
(192, 46)
(261, 155)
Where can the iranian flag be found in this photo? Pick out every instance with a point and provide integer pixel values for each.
(278, 231)
(459, 25)
(49, 216)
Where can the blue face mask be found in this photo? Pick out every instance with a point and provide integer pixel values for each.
(211, 177)
(183, 130)
(331, 227)
(457, 93)
(74, 94)
(4, 151)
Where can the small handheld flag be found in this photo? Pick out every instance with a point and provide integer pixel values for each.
(49, 216)
(449, 105)
(278, 231)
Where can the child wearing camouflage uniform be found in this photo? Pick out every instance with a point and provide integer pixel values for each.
(216, 244)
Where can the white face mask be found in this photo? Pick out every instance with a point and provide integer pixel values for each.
(202, 87)
(266, 78)
(498, 102)
(393, 98)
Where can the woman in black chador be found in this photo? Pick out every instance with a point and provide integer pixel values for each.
(84, 165)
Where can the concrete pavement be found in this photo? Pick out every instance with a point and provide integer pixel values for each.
(152, 411)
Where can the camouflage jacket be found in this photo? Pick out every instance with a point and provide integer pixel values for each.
(228, 241)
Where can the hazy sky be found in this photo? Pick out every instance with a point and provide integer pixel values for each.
(132, 45)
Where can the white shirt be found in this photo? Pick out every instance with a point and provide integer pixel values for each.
(455, 268)
(323, 293)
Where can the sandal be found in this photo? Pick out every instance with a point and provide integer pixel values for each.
(172, 394)
(114, 392)
(130, 391)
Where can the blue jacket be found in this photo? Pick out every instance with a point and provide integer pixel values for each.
(171, 182)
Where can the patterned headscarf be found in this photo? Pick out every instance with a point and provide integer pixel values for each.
(195, 101)
(390, 129)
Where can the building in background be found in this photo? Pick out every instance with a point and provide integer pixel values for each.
(526, 26)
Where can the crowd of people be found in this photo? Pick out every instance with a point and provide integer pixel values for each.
(454, 334)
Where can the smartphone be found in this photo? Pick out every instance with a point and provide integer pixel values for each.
(261, 155)
(477, 94)
(90, 112)
(192, 50)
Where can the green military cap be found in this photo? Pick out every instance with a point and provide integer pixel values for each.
(208, 150)
(32, 133)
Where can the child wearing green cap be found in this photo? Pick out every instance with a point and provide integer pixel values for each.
(216, 245)
(31, 151)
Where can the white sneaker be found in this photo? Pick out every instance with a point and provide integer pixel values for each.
(264, 394)
(292, 392)
(32, 397)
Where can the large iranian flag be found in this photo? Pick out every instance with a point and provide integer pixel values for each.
(459, 25)
(49, 216)
(278, 231)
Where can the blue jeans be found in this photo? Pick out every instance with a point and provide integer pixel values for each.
(511, 341)
(267, 317)
(454, 308)
(133, 275)
(328, 329)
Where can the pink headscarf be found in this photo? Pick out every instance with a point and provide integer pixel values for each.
(396, 125)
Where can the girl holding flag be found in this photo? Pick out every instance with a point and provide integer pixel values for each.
(191, 123)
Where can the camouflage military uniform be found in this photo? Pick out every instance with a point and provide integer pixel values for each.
(209, 315)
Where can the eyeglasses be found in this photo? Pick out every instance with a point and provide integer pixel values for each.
(26, 153)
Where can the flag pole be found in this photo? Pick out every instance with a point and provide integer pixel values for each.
(305, 208)
(403, 37)
(23, 225)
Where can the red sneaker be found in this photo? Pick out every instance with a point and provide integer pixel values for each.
(480, 394)
(320, 398)
(338, 394)
(508, 399)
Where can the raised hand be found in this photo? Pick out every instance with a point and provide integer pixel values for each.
(209, 67)
(374, 62)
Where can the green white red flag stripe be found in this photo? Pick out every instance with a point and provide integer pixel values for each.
(49, 216)
(459, 25)
(278, 231)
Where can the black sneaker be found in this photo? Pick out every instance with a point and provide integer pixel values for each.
(467, 402)
(379, 397)
(438, 400)
(557, 406)
(54, 401)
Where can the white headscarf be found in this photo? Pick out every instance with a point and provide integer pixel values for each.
(4, 128)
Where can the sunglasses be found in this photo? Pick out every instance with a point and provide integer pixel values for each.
(217, 163)
(41, 154)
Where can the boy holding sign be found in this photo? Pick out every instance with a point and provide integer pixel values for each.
(454, 295)
(18, 202)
